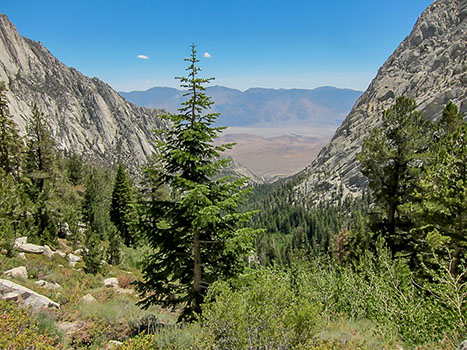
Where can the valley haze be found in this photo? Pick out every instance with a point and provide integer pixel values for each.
(278, 131)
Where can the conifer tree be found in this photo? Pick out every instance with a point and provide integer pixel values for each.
(393, 158)
(450, 119)
(11, 144)
(96, 217)
(440, 207)
(96, 203)
(195, 234)
(121, 208)
(40, 169)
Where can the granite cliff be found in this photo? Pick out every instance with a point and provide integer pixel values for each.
(86, 115)
(429, 66)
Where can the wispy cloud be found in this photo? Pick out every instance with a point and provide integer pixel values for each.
(207, 55)
(143, 57)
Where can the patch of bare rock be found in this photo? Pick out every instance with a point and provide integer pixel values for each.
(24, 296)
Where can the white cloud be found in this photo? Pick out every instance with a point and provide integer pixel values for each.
(207, 55)
(143, 57)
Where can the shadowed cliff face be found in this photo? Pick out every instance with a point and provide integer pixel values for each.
(86, 114)
(430, 66)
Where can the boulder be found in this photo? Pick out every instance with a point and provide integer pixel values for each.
(47, 251)
(25, 296)
(31, 248)
(78, 251)
(17, 272)
(463, 345)
(62, 254)
(20, 241)
(48, 285)
(73, 259)
(113, 344)
(22, 256)
(88, 299)
(111, 282)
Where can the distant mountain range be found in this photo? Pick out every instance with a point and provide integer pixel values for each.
(258, 107)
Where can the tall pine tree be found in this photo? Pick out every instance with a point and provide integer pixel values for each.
(196, 234)
(40, 169)
(392, 159)
(440, 208)
(11, 144)
(121, 207)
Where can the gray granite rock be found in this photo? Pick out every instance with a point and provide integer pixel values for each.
(428, 66)
(73, 259)
(113, 344)
(17, 272)
(111, 282)
(31, 248)
(48, 285)
(25, 296)
(20, 241)
(88, 299)
(86, 114)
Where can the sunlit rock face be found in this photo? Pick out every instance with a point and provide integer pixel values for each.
(86, 115)
(429, 66)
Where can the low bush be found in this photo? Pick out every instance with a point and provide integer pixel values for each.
(18, 330)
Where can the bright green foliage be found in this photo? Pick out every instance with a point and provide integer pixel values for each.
(196, 234)
(92, 255)
(96, 202)
(265, 309)
(392, 159)
(293, 308)
(450, 120)
(11, 144)
(40, 169)
(14, 204)
(122, 212)
(18, 330)
(441, 209)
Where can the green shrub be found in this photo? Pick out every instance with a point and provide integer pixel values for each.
(18, 330)
(263, 309)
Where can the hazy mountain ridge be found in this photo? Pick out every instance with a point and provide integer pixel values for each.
(86, 115)
(319, 107)
(429, 66)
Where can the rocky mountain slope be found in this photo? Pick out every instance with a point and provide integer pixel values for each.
(86, 115)
(320, 107)
(429, 65)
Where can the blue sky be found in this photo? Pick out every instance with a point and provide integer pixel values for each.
(251, 43)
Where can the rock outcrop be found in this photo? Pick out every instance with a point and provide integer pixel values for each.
(17, 272)
(86, 115)
(430, 66)
(25, 296)
(23, 246)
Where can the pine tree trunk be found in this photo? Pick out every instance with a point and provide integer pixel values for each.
(196, 273)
